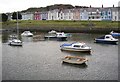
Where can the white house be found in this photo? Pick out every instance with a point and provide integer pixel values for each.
(27, 16)
(94, 14)
(115, 14)
(53, 14)
(68, 14)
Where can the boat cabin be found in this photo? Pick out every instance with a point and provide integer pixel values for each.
(109, 37)
(79, 45)
(60, 34)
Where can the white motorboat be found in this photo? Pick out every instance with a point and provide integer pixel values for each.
(52, 32)
(77, 46)
(27, 34)
(57, 35)
(15, 42)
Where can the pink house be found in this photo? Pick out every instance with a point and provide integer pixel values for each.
(37, 16)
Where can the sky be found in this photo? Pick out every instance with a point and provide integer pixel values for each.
(19, 5)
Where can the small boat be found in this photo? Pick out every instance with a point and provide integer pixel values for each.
(52, 32)
(58, 35)
(114, 34)
(14, 39)
(108, 39)
(76, 46)
(15, 42)
(74, 60)
(13, 36)
(27, 34)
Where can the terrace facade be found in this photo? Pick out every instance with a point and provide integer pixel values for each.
(106, 14)
(94, 14)
(91, 13)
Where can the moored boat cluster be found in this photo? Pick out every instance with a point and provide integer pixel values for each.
(69, 47)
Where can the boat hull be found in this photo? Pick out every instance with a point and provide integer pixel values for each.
(75, 50)
(27, 35)
(115, 35)
(105, 42)
(15, 44)
(55, 38)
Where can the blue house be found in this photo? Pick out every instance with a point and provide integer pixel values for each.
(44, 15)
(106, 14)
(84, 14)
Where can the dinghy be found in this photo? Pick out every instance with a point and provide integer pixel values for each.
(74, 60)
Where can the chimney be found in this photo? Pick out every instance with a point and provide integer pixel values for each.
(113, 5)
(102, 5)
(90, 6)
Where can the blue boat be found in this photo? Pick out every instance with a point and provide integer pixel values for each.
(77, 47)
(114, 34)
(107, 39)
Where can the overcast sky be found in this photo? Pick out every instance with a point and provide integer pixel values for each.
(18, 5)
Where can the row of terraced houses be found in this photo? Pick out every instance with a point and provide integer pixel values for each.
(91, 13)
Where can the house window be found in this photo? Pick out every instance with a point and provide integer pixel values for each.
(97, 17)
(91, 13)
(106, 13)
(89, 17)
(93, 17)
(97, 12)
(81, 17)
(115, 17)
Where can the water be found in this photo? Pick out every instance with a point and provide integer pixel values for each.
(42, 60)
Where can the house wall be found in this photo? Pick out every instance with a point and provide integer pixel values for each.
(76, 14)
(44, 15)
(37, 16)
(83, 15)
(115, 14)
(27, 16)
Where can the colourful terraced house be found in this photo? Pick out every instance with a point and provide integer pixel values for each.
(106, 14)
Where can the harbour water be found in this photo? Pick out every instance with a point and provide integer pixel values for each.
(42, 60)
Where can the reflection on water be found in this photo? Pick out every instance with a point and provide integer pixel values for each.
(82, 66)
(42, 60)
(27, 39)
(76, 53)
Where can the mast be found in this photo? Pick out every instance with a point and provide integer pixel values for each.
(17, 26)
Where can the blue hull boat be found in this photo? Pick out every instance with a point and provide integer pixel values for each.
(107, 39)
(106, 42)
(114, 34)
